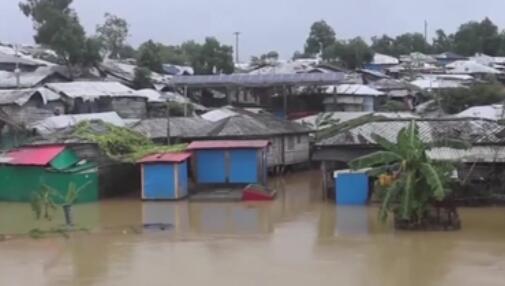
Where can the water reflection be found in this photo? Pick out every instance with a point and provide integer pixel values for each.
(296, 240)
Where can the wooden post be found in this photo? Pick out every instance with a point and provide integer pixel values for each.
(325, 179)
(168, 124)
(285, 102)
(228, 95)
(185, 104)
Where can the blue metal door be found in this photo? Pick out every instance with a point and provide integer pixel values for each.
(244, 166)
(352, 189)
(158, 182)
(183, 179)
(211, 167)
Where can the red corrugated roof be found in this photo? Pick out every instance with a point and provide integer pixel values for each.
(228, 144)
(33, 156)
(166, 157)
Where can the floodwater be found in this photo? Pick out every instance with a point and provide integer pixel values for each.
(296, 240)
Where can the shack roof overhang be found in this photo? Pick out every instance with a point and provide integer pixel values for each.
(258, 80)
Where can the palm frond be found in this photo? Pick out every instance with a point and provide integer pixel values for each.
(388, 198)
(434, 180)
(374, 159)
(377, 171)
(407, 194)
(386, 144)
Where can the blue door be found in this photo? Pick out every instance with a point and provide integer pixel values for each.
(244, 166)
(158, 182)
(183, 179)
(352, 189)
(211, 167)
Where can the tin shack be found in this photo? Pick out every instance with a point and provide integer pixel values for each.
(27, 170)
(238, 162)
(165, 176)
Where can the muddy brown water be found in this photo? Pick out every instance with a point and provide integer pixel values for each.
(296, 240)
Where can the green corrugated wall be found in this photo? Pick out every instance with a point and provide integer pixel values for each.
(17, 183)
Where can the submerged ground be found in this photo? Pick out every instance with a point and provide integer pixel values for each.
(296, 240)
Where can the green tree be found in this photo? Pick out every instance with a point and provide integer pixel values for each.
(456, 100)
(352, 54)
(213, 58)
(357, 53)
(149, 56)
(474, 37)
(420, 181)
(321, 37)
(443, 43)
(113, 33)
(411, 42)
(383, 45)
(264, 59)
(127, 52)
(142, 78)
(57, 27)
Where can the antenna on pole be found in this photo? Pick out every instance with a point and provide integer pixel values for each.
(426, 31)
(237, 39)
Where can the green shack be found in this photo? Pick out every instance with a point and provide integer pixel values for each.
(26, 170)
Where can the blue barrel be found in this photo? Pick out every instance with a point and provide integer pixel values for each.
(351, 188)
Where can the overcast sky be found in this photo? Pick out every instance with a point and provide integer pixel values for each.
(281, 25)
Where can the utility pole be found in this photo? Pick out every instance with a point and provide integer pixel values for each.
(237, 40)
(17, 71)
(426, 31)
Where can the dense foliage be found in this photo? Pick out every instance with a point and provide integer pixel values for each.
(57, 27)
(471, 38)
(322, 41)
(207, 58)
(419, 181)
(456, 100)
(122, 143)
(113, 34)
(142, 78)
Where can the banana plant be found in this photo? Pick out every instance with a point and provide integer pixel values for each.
(418, 179)
(44, 203)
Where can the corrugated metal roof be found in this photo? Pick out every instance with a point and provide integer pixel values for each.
(12, 59)
(263, 80)
(474, 131)
(26, 79)
(218, 114)
(32, 156)
(239, 122)
(381, 59)
(342, 116)
(90, 90)
(476, 154)
(166, 157)
(181, 127)
(353, 89)
(22, 96)
(55, 123)
(470, 67)
(491, 112)
(229, 144)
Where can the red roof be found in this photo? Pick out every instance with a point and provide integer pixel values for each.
(166, 157)
(32, 156)
(234, 144)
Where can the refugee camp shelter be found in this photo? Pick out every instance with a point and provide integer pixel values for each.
(30, 104)
(27, 170)
(239, 162)
(290, 141)
(165, 176)
(351, 97)
(92, 97)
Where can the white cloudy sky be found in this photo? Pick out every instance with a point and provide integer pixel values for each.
(280, 25)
